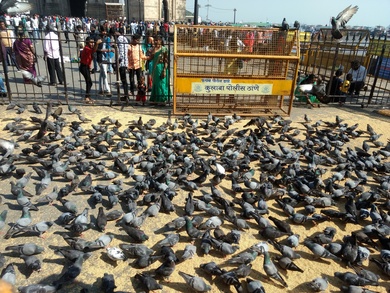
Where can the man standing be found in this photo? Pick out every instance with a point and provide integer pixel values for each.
(94, 34)
(35, 27)
(7, 37)
(135, 55)
(123, 47)
(51, 48)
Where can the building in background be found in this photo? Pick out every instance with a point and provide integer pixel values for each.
(147, 10)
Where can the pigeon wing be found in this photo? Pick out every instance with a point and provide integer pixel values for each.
(344, 16)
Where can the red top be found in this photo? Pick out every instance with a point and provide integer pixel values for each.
(86, 55)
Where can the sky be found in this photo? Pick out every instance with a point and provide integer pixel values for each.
(371, 12)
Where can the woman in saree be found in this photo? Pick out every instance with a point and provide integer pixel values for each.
(160, 87)
(25, 57)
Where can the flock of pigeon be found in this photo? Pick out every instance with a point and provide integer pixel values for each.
(203, 184)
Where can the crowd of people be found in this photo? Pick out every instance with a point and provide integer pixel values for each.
(136, 48)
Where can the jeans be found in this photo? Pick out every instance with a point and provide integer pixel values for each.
(103, 80)
(36, 35)
(84, 70)
(2, 86)
(138, 73)
(123, 76)
(53, 67)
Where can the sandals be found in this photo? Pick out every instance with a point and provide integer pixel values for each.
(89, 101)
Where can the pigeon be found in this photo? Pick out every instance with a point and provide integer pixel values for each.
(136, 250)
(319, 284)
(3, 217)
(25, 249)
(271, 270)
(8, 274)
(115, 254)
(101, 220)
(211, 268)
(254, 286)
(341, 20)
(71, 273)
(20, 224)
(189, 252)
(287, 264)
(42, 288)
(32, 262)
(170, 240)
(165, 269)
(39, 228)
(108, 283)
(148, 282)
(196, 283)
(319, 251)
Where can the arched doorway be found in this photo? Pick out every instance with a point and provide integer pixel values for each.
(77, 8)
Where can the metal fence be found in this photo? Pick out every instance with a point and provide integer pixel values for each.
(323, 55)
(72, 90)
(319, 54)
(222, 70)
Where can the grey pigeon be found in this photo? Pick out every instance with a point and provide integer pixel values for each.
(319, 284)
(170, 240)
(341, 20)
(148, 282)
(287, 264)
(271, 270)
(189, 252)
(136, 250)
(24, 201)
(20, 224)
(71, 273)
(32, 262)
(108, 283)
(196, 283)
(255, 286)
(39, 228)
(3, 217)
(8, 274)
(25, 249)
(319, 251)
(211, 268)
(166, 269)
(41, 288)
(353, 279)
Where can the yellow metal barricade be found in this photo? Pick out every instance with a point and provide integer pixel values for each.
(225, 70)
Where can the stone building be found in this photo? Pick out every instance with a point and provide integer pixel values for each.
(132, 9)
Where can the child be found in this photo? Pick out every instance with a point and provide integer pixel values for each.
(141, 91)
(346, 84)
(344, 87)
(85, 65)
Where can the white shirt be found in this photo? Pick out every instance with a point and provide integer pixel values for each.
(51, 46)
(359, 74)
(35, 22)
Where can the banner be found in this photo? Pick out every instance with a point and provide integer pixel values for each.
(226, 86)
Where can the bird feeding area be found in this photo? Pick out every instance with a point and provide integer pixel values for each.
(225, 70)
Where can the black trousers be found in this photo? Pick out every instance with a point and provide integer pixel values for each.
(54, 67)
(138, 73)
(356, 86)
(84, 70)
(122, 74)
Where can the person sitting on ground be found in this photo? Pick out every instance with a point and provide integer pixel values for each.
(335, 85)
(344, 87)
(358, 73)
(85, 65)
